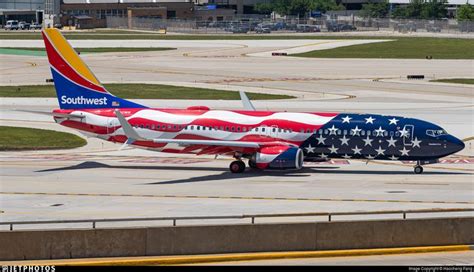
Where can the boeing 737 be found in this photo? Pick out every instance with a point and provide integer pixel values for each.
(267, 139)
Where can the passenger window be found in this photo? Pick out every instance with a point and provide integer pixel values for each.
(141, 126)
(174, 127)
(308, 130)
(233, 128)
(339, 132)
(385, 133)
(362, 133)
(302, 130)
(345, 132)
(274, 129)
(391, 133)
(256, 129)
(263, 129)
(244, 129)
(198, 127)
(368, 132)
(153, 127)
(326, 131)
(169, 126)
(238, 129)
(320, 131)
(147, 126)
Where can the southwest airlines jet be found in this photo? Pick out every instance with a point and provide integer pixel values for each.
(267, 139)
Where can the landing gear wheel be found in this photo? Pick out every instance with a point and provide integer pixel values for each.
(418, 169)
(252, 164)
(237, 167)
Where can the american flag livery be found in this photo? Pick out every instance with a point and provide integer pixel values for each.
(269, 140)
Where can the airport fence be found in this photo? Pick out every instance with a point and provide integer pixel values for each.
(174, 220)
(341, 23)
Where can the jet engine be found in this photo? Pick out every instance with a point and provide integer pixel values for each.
(278, 157)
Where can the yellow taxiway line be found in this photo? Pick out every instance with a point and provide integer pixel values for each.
(193, 259)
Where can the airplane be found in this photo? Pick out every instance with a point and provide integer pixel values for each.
(267, 139)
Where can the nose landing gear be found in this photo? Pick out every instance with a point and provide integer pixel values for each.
(418, 169)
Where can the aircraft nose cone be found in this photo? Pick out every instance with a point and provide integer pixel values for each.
(456, 144)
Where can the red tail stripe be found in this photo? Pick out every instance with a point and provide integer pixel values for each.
(64, 68)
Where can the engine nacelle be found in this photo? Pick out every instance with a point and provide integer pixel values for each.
(279, 157)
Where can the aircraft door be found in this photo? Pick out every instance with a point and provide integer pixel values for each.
(408, 139)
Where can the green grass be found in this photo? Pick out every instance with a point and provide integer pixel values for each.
(455, 80)
(141, 91)
(32, 51)
(402, 48)
(18, 138)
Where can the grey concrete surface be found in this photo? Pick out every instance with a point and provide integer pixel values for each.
(353, 85)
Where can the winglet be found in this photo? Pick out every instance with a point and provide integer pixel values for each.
(246, 101)
(131, 134)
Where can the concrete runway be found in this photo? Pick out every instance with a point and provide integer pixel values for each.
(137, 183)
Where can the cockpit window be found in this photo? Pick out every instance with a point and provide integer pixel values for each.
(436, 132)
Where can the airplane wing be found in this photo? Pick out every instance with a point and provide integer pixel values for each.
(133, 136)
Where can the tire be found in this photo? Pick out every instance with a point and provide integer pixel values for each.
(418, 169)
(237, 167)
(253, 164)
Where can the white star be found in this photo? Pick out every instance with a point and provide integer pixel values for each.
(346, 119)
(380, 151)
(344, 140)
(332, 130)
(346, 156)
(416, 142)
(309, 149)
(367, 141)
(370, 157)
(369, 120)
(356, 150)
(404, 151)
(403, 132)
(391, 142)
(380, 131)
(333, 149)
(356, 130)
(393, 158)
(323, 156)
(321, 139)
(393, 121)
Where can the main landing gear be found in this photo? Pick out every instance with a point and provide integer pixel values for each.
(418, 168)
(237, 166)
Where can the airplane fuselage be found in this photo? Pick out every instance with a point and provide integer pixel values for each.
(320, 136)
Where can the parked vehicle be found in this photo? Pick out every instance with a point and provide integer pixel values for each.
(11, 25)
(262, 29)
(408, 27)
(24, 25)
(58, 26)
(432, 28)
(35, 26)
(307, 28)
(338, 27)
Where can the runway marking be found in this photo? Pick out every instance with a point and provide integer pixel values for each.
(244, 198)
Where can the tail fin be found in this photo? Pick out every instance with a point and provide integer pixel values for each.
(76, 86)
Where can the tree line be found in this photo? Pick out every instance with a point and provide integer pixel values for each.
(416, 9)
